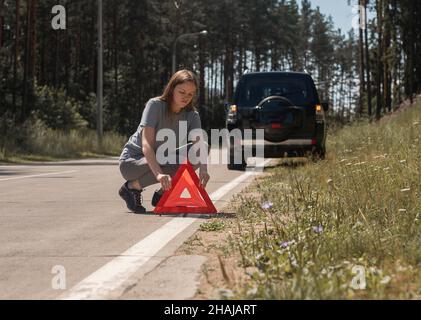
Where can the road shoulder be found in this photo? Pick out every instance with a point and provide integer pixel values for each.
(221, 272)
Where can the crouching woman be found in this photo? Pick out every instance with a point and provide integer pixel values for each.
(140, 164)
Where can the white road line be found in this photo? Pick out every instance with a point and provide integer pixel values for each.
(39, 175)
(112, 275)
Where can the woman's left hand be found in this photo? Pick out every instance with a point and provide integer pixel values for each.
(204, 178)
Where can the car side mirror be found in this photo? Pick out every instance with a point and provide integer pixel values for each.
(325, 106)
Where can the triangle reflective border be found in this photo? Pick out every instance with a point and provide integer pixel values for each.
(174, 201)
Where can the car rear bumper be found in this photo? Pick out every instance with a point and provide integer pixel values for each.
(292, 147)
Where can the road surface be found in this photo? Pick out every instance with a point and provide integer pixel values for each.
(66, 234)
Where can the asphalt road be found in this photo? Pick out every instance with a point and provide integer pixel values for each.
(60, 223)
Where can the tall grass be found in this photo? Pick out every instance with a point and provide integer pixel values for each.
(35, 141)
(311, 229)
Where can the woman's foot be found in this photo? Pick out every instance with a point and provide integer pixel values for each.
(156, 197)
(133, 198)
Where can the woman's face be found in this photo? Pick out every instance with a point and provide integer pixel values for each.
(183, 95)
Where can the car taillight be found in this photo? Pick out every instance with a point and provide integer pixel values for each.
(313, 142)
(232, 114)
(277, 126)
(232, 111)
(319, 112)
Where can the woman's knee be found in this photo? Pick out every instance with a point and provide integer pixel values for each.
(133, 170)
(124, 170)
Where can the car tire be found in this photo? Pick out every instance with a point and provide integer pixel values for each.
(235, 166)
(318, 154)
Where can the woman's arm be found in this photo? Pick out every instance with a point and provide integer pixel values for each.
(148, 140)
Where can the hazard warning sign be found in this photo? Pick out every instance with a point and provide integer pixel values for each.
(186, 194)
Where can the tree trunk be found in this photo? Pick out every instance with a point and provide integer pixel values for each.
(379, 5)
(367, 64)
(1, 22)
(33, 38)
(387, 77)
(362, 67)
(229, 71)
(412, 44)
(257, 57)
(16, 60)
(115, 45)
(240, 67)
(27, 56)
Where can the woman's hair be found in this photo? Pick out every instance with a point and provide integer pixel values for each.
(179, 77)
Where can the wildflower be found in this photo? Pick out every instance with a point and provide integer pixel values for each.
(294, 262)
(318, 229)
(252, 291)
(226, 293)
(402, 161)
(267, 205)
(385, 280)
(285, 244)
(360, 163)
(406, 190)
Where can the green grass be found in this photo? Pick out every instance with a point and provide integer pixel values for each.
(360, 208)
(52, 145)
(215, 225)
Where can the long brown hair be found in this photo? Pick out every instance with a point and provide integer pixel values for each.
(179, 77)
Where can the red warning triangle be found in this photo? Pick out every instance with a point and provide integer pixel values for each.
(186, 194)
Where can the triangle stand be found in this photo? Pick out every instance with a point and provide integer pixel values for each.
(173, 201)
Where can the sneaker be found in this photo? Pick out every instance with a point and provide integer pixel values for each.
(133, 198)
(156, 197)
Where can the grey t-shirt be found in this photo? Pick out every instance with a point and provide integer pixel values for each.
(157, 115)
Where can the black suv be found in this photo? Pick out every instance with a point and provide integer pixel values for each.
(287, 106)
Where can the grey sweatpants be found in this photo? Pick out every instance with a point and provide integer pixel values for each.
(138, 169)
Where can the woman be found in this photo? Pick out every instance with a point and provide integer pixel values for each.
(139, 163)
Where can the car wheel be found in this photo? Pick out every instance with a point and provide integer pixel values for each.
(318, 154)
(237, 166)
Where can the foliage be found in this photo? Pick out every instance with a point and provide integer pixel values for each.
(57, 110)
(309, 227)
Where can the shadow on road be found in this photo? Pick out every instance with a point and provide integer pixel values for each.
(4, 172)
(73, 163)
(289, 163)
(225, 215)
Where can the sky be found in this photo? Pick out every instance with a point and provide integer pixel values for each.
(340, 11)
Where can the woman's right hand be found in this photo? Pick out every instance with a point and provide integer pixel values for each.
(165, 181)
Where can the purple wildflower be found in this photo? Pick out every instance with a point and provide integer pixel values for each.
(284, 244)
(318, 229)
(267, 205)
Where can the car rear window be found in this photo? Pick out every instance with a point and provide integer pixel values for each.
(299, 89)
